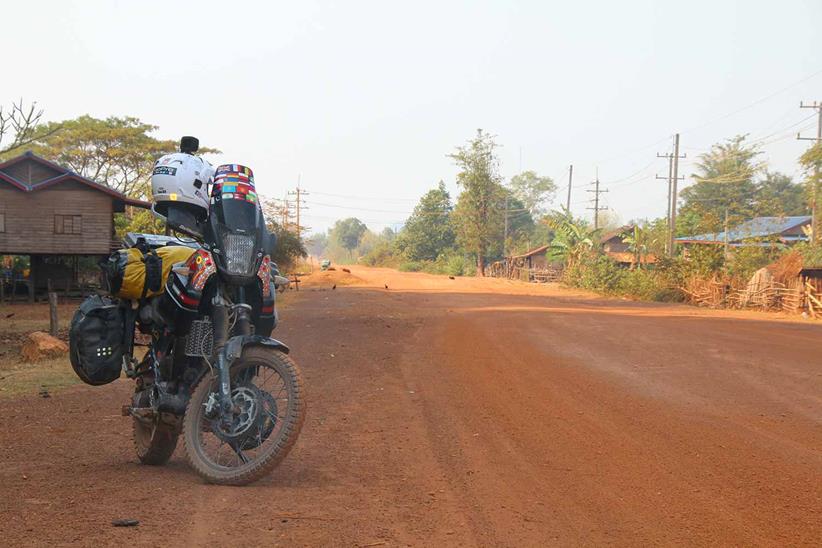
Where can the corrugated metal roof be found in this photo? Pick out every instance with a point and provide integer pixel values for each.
(535, 251)
(759, 227)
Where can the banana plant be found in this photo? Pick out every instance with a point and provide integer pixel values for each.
(639, 241)
(573, 238)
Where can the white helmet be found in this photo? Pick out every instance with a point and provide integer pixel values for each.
(181, 179)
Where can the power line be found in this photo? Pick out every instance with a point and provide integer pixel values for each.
(318, 193)
(753, 104)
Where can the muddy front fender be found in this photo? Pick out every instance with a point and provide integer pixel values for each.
(235, 345)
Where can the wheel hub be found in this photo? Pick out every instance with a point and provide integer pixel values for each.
(246, 408)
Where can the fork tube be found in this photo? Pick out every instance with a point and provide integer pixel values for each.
(220, 322)
(243, 313)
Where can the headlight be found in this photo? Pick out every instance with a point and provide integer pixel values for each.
(239, 254)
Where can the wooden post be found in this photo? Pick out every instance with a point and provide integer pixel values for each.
(53, 313)
(32, 277)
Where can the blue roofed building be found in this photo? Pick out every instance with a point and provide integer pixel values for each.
(757, 231)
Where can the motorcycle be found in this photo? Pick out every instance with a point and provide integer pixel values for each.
(210, 372)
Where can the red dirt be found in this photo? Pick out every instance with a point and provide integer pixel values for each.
(446, 412)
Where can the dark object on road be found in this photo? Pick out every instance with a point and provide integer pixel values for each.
(331, 268)
(10, 315)
(125, 522)
(346, 270)
(44, 393)
(334, 286)
(386, 286)
(451, 278)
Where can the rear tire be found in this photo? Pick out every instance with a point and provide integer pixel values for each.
(153, 444)
(292, 420)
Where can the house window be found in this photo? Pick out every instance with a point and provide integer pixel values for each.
(68, 224)
(2, 222)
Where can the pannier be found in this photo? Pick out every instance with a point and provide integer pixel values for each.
(97, 340)
(132, 274)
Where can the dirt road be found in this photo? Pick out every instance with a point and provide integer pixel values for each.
(467, 412)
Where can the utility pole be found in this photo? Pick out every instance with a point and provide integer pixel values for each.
(570, 181)
(815, 193)
(674, 194)
(283, 207)
(670, 158)
(595, 199)
(669, 205)
(300, 204)
(727, 248)
(505, 233)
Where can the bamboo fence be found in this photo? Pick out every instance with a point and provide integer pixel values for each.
(795, 296)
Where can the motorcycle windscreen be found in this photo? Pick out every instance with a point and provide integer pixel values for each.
(236, 225)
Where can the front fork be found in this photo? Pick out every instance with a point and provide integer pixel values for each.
(225, 348)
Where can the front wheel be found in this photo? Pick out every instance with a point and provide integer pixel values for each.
(268, 414)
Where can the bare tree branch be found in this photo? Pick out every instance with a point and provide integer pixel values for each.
(20, 122)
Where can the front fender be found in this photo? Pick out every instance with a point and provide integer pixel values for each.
(234, 346)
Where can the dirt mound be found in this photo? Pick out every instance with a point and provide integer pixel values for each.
(329, 278)
(40, 345)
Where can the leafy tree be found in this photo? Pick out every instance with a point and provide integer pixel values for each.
(388, 234)
(533, 191)
(609, 220)
(725, 180)
(479, 211)
(117, 152)
(317, 244)
(428, 231)
(348, 233)
(777, 195)
(289, 246)
(521, 226)
(137, 220)
(811, 161)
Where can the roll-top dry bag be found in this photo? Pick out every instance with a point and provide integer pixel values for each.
(129, 272)
(96, 340)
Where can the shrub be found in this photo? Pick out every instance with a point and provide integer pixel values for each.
(449, 263)
(411, 266)
(648, 285)
(599, 273)
(381, 254)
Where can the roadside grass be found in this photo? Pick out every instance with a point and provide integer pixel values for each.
(19, 378)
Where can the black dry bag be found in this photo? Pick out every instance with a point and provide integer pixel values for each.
(96, 340)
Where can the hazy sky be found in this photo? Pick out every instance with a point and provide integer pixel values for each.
(365, 99)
